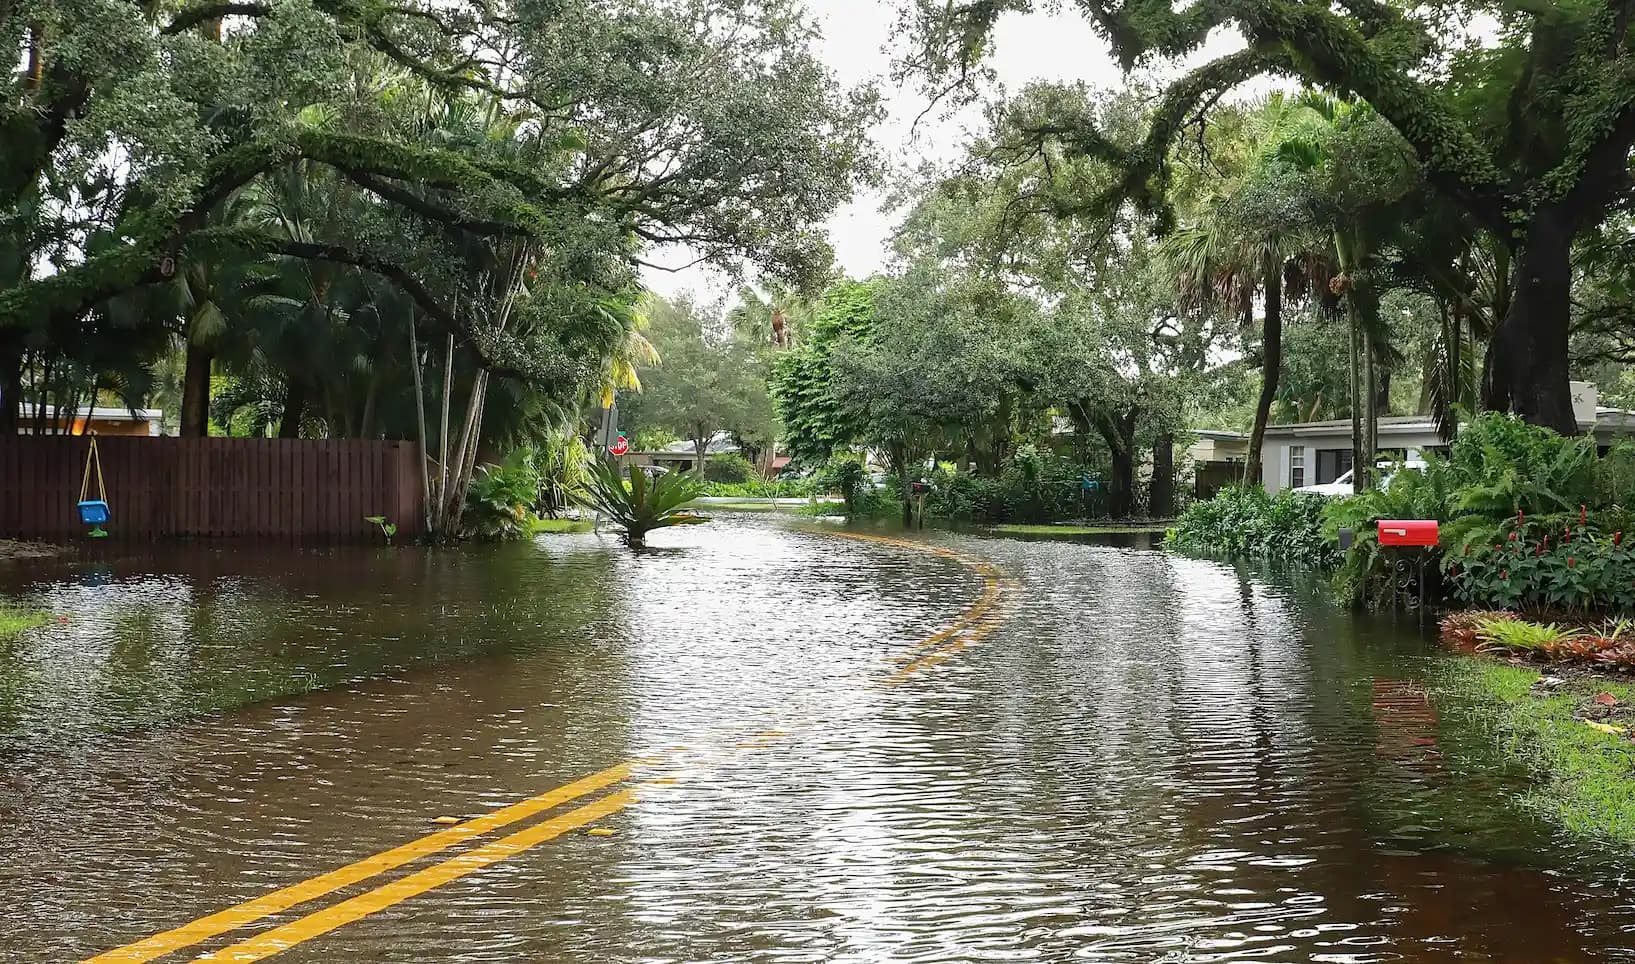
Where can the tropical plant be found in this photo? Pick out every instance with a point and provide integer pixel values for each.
(1505, 633)
(500, 503)
(637, 504)
(387, 527)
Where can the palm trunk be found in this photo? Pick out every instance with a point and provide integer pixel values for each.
(1271, 367)
(295, 405)
(420, 425)
(196, 393)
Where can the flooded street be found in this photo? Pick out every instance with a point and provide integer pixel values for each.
(807, 747)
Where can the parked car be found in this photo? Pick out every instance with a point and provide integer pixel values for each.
(1342, 485)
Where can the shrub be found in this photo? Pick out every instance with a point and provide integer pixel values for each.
(1245, 522)
(759, 489)
(728, 467)
(1537, 568)
(499, 504)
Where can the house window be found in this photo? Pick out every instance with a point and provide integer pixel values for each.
(1331, 464)
(1297, 466)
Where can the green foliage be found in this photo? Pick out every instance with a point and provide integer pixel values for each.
(816, 423)
(1539, 567)
(1505, 633)
(499, 504)
(640, 504)
(386, 526)
(728, 467)
(14, 621)
(759, 489)
(563, 462)
(844, 474)
(1034, 486)
(1246, 523)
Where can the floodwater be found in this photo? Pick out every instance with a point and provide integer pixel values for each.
(838, 750)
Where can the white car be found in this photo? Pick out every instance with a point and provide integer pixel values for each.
(1342, 485)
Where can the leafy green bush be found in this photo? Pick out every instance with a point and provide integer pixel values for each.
(759, 489)
(499, 504)
(1365, 573)
(1537, 567)
(1245, 522)
(728, 467)
(1033, 486)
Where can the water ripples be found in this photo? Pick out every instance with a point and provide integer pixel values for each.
(1151, 759)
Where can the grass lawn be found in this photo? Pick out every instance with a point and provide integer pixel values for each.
(1066, 530)
(564, 525)
(743, 507)
(14, 622)
(1586, 775)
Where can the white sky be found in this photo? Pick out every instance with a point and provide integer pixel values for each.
(856, 34)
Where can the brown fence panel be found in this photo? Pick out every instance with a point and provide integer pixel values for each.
(304, 490)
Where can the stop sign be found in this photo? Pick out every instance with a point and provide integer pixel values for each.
(620, 446)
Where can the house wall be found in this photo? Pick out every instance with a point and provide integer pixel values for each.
(1275, 456)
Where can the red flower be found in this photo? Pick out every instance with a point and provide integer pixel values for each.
(1520, 518)
(1617, 537)
(1571, 562)
(1538, 550)
(1467, 548)
(1512, 537)
(1504, 573)
(1583, 514)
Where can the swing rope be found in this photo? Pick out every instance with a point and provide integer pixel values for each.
(85, 484)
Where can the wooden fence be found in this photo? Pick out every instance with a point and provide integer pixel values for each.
(293, 489)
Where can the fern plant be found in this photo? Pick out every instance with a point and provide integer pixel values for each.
(638, 505)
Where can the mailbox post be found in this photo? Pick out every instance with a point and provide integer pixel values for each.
(1420, 534)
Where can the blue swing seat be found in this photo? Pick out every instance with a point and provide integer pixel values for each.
(93, 512)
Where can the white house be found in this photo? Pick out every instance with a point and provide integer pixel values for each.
(1312, 453)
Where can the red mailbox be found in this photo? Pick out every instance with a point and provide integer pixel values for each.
(1408, 532)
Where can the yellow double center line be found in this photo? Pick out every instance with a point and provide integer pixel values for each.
(978, 620)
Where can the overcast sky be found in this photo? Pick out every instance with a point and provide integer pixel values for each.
(855, 34)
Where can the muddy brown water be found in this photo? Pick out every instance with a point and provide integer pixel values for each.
(1151, 758)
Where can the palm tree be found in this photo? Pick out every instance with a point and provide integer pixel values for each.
(1243, 242)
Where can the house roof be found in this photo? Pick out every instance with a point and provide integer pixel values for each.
(1389, 425)
(1220, 434)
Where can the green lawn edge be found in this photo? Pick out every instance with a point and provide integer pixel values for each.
(1017, 529)
(15, 621)
(1586, 777)
(562, 525)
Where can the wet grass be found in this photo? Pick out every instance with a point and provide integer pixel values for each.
(1111, 529)
(14, 621)
(563, 525)
(1586, 775)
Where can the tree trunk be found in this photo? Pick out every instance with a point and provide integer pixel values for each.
(1271, 366)
(1527, 371)
(11, 386)
(905, 488)
(701, 448)
(196, 393)
(1161, 495)
(295, 406)
(1121, 490)
(1359, 457)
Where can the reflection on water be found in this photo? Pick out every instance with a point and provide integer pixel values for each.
(1153, 759)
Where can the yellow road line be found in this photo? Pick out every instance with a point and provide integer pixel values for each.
(282, 938)
(281, 900)
(977, 622)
